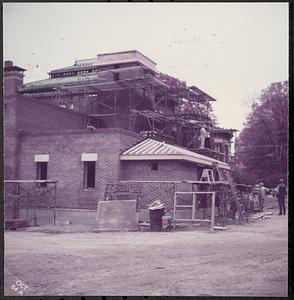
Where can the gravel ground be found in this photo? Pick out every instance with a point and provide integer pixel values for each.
(248, 260)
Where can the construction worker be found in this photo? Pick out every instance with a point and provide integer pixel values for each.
(281, 193)
(262, 195)
(203, 137)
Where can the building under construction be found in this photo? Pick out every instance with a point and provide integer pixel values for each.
(103, 122)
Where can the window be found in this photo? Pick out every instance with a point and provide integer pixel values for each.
(116, 76)
(154, 166)
(89, 174)
(42, 168)
(89, 160)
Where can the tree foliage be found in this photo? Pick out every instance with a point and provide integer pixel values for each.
(263, 143)
(203, 109)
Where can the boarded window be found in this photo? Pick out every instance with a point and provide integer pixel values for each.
(89, 174)
(42, 169)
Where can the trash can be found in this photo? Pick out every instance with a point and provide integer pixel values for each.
(156, 219)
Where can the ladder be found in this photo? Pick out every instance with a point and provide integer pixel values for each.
(207, 175)
(225, 175)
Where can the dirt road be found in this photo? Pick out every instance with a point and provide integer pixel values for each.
(248, 260)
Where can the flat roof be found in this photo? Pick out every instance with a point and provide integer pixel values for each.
(128, 51)
(93, 62)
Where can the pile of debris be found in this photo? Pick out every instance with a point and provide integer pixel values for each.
(261, 215)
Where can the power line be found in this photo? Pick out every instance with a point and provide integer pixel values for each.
(260, 146)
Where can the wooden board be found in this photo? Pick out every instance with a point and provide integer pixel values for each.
(220, 227)
(117, 215)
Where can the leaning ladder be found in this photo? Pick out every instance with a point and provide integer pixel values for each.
(227, 176)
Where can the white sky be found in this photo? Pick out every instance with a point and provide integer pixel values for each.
(230, 50)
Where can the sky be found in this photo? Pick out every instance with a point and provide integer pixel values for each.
(229, 50)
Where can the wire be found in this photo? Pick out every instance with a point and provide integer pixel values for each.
(259, 146)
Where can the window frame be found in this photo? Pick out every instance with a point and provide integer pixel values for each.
(89, 184)
(42, 171)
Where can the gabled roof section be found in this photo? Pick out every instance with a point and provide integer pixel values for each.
(74, 83)
(150, 149)
(63, 81)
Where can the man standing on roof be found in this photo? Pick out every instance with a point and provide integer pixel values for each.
(281, 193)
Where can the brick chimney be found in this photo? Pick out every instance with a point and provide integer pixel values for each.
(13, 78)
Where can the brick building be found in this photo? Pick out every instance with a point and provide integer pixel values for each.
(108, 119)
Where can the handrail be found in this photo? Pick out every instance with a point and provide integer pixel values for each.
(30, 181)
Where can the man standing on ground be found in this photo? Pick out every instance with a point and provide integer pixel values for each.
(281, 193)
(262, 196)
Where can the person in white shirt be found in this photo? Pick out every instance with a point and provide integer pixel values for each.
(203, 135)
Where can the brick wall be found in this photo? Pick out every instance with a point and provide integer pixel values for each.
(34, 115)
(25, 114)
(12, 80)
(65, 148)
(168, 170)
(65, 165)
(10, 135)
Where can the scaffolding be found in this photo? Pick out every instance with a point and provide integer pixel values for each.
(144, 104)
(174, 193)
(192, 208)
(29, 195)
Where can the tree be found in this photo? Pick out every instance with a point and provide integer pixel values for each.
(202, 108)
(263, 143)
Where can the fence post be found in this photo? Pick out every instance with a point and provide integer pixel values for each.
(175, 203)
(193, 206)
(16, 202)
(212, 211)
(54, 212)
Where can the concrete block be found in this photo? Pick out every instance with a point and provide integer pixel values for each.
(87, 217)
(43, 216)
(68, 222)
(65, 215)
(117, 215)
